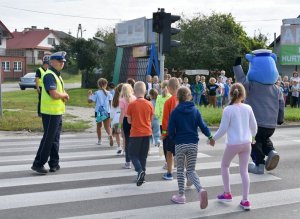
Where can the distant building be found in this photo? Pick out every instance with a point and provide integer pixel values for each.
(283, 69)
(35, 43)
(13, 62)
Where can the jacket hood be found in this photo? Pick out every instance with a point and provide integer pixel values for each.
(186, 107)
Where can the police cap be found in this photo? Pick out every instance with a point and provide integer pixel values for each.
(59, 56)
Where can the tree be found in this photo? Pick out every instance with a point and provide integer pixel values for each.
(211, 42)
(109, 52)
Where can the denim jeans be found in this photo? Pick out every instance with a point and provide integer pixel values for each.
(138, 152)
(155, 131)
(196, 99)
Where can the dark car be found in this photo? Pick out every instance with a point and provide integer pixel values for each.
(27, 81)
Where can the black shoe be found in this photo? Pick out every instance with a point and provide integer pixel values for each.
(141, 178)
(40, 170)
(54, 169)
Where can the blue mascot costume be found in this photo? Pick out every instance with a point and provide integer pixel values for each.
(267, 103)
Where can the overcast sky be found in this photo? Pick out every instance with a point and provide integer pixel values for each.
(256, 15)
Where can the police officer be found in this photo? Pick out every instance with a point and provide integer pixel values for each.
(52, 108)
(39, 74)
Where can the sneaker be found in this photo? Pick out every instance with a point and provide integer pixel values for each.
(178, 199)
(252, 168)
(54, 169)
(111, 141)
(140, 178)
(119, 151)
(99, 142)
(39, 170)
(168, 176)
(203, 198)
(272, 160)
(245, 205)
(225, 197)
(127, 165)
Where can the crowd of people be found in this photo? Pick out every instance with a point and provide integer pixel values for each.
(151, 113)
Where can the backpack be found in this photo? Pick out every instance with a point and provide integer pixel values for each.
(102, 114)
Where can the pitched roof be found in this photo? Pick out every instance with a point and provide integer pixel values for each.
(27, 39)
(6, 32)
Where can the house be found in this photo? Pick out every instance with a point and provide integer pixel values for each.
(282, 69)
(34, 42)
(13, 62)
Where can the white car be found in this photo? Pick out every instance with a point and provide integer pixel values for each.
(27, 81)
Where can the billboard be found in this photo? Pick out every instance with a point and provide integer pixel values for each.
(134, 32)
(290, 45)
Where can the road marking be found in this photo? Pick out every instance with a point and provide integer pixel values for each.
(121, 190)
(192, 210)
(55, 178)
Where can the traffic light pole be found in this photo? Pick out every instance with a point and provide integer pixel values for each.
(161, 59)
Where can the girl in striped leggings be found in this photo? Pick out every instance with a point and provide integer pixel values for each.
(182, 129)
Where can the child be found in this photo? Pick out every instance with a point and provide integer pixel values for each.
(159, 108)
(219, 98)
(197, 90)
(140, 113)
(239, 123)
(286, 90)
(115, 116)
(155, 122)
(170, 104)
(212, 89)
(182, 129)
(126, 98)
(102, 98)
(156, 84)
(186, 82)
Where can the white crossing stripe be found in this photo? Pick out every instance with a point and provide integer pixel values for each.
(192, 210)
(55, 178)
(79, 163)
(121, 190)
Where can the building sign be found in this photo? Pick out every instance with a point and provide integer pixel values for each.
(134, 32)
(290, 45)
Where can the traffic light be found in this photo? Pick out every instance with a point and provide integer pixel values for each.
(168, 31)
(157, 21)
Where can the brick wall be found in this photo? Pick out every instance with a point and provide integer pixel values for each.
(11, 73)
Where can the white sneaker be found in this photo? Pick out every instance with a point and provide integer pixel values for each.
(119, 151)
(99, 142)
(127, 166)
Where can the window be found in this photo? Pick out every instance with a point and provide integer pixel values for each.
(17, 66)
(40, 54)
(6, 66)
(51, 41)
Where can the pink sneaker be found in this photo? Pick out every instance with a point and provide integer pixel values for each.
(225, 197)
(203, 198)
(245, 205)
(179, 199)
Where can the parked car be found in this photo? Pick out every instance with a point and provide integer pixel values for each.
(27, 81)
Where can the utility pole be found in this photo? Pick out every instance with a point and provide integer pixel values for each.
(79, 30)
(1, 112)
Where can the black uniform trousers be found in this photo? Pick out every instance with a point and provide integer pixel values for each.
(263, 145)
(49, 145)
(39, 102)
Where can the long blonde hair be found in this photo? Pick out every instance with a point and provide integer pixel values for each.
(127, 92)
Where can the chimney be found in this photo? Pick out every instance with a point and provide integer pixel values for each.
(33, 27)
(46, 28)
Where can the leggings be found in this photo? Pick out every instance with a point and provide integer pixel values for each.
(243, 151)
(188, 152)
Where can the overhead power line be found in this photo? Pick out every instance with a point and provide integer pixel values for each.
(65, 15)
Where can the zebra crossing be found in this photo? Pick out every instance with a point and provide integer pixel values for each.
(92, 184)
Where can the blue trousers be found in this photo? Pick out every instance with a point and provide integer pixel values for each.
(49, 145)
(155, 130)
(138, 152)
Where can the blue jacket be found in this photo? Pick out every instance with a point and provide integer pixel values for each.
(184, 122)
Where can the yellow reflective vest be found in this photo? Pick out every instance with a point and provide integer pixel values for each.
(42, 75)
(49, 105)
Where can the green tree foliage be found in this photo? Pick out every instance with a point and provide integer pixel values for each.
(212, 42)
(109, 52)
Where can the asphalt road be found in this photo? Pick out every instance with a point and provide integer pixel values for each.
(7, 87)
(92, 184)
